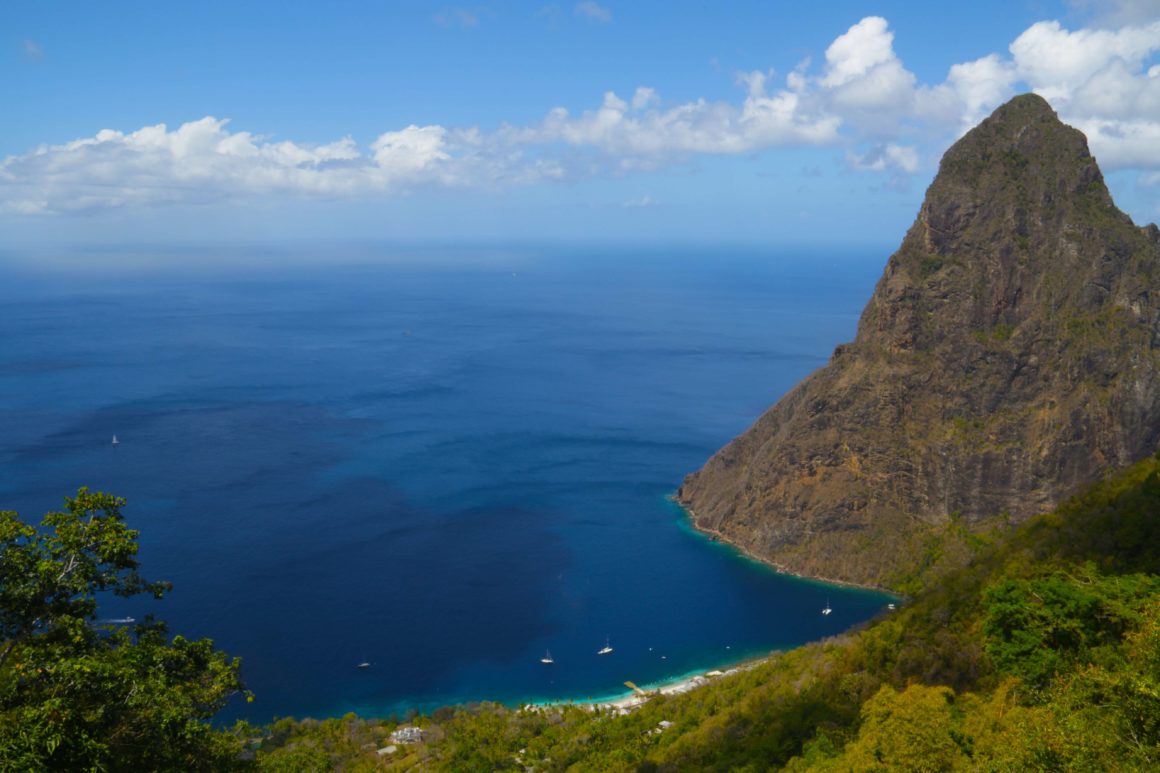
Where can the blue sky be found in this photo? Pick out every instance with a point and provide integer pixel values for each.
(768, 123)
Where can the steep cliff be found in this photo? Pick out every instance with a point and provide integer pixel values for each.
(1010, 354)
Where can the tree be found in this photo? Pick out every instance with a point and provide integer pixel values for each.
(914, 730)
(79, 695)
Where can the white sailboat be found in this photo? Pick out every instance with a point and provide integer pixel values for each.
(606, 649)
(547, 659)
(115, 441)
(827, 609)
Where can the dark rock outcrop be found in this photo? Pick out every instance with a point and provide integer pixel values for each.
(1010, 354)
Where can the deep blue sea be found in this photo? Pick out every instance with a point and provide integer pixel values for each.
(441, 467)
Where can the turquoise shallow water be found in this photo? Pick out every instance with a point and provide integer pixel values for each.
(442, 471)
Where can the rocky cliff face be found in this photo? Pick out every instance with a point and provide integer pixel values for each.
(1009, 355)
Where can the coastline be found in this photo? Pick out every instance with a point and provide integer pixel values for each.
(719, 537)
(634, 699)
(683, 683)
(627, 700)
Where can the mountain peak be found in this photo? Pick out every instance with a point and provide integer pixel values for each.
(1023, 144)
(1017, 200)
(1024, 108)
(1009, 355)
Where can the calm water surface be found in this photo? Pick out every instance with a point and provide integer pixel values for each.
(442, 471)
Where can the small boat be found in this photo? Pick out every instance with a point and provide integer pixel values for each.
(827, 609)
(547, 659)
(115, 441)
(364, 664)
(606, 649)
(890, 607)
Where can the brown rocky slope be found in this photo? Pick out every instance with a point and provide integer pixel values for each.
(1010, 354)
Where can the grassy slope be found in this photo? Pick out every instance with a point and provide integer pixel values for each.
(1030, 648)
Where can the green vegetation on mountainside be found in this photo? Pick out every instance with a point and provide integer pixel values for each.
(1032, 648)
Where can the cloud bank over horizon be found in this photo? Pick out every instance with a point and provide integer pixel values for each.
(862, 101)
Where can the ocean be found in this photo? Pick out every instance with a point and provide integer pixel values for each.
(443, 464)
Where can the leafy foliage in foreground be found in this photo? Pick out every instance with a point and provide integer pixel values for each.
(1032, 649)
(79, 695)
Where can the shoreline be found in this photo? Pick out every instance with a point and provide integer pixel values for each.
(629, 700)
(719, 537)
(680, 684)
(634, 699)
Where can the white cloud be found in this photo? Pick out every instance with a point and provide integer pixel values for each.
(862, 100)
(862, 71)
(862, 48)
(203, 160)
(760, 121)
(411, 150)
(33, 50)
(593, 11)
(1100, 80)
(882, 158)
(981, 86)
(644, 97)
(1096, 79)
(1058, 63)
(1122, 144)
